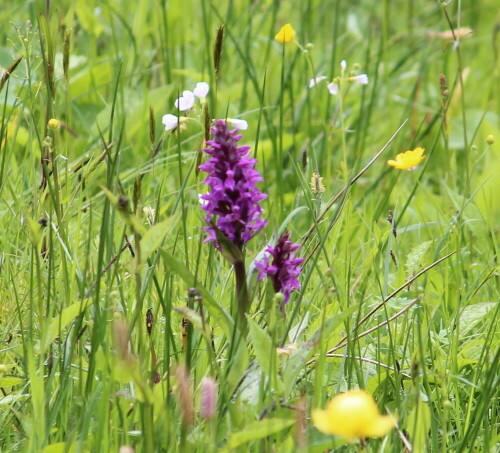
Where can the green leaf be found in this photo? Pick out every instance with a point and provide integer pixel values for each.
(258, 430)
(415, 256)
(153, 238)
(262, 345)
(418, 425)
(60, 322)
(61, 447)
(10, 381)
(473, 314)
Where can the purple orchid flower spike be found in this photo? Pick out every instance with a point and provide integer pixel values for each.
(284, 267)
(232, 204)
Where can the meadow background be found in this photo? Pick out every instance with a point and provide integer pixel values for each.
(85, 367)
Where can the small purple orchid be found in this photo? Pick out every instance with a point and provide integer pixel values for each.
(284, 268)
(232, 204)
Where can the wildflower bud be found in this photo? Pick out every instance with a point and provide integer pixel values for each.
(443, 85)
(208, 401)
(490, 139)
(47, 142)
(150, 214)
(126, 449)
(152, 125)
(316, 183)
(123, 203)
(121, 338)
(473, 148)
(304, 160)
(447, 404)
(149, 320)
(194, 295)
(66, 52)
(185, 395)
(219, 39)
(53, 123)
(356, 67)
(43, 222)
(309, 46)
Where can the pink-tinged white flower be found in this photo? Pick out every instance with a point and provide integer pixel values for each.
(201, 90)
(361, 79)
(172, 121)
(315, 80)
(185, 102)
(241, 125)
(333, 88)
(208, 400)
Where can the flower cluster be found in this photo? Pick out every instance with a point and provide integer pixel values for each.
(284, 268)
(184, 103)
(334, 86)
(352, 415)
(233, 199)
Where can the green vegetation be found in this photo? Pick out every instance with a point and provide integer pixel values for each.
(113, 310)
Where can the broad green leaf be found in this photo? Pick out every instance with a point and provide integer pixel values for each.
(418, 425)
(10, 381)
(473, 314)
(153, 238)
(415, 257)
(258, 430)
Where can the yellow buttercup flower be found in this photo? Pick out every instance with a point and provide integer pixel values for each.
(286, 34)
(408, 160)
(352, 415)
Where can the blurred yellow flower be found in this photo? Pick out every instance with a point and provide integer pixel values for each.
(286, 34)
(53, 123)
(353, 415)
(408, 160)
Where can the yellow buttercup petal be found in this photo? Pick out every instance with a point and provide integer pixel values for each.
(286, 34)
(407, 160)
(321, 420)
(352, 415)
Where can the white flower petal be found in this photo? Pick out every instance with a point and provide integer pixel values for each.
(242, 125)
(201, 89)
(343, 65)
(170, 121)
(185, 102)
(202, 201)
(316, 80)
(362, 79)
(333, 88)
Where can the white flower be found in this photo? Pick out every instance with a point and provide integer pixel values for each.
(316, 80)
(333, 88)
(201, 89)
(343, 65)
(170, 121)
(185, 102)
(362, 79)
(242, 125)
